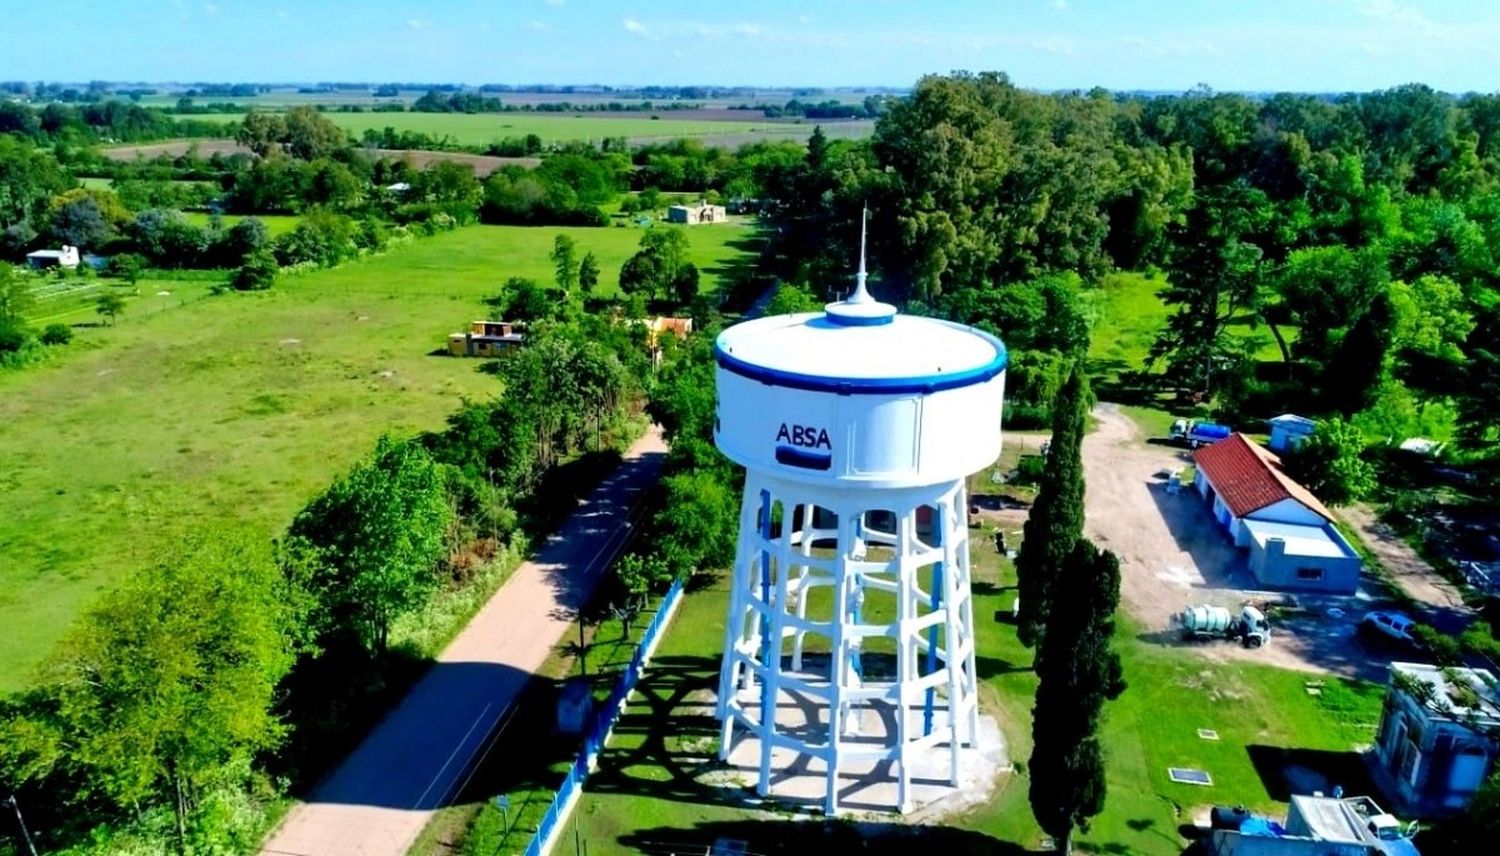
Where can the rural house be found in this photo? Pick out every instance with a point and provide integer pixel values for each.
(1289, 534)
(66, 257)
(693, 215)
(1437, 740)
(1288, 431)
(485, 339)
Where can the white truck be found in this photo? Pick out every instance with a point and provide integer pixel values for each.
(1215, 622)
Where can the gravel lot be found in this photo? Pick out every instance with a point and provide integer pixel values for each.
(1173, 554)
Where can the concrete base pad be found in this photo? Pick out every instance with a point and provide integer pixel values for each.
(866, 785)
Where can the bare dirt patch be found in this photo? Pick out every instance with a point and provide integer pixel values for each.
(482, 165)
(1173, 554)
(176, 149)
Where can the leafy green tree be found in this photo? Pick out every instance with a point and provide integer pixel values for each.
(1214, 271)
(669, 244)
(1329, 463)
(686, 284)
(588, 273)
(1045, 314)
(379, 533)
(16, 298)
(1055, 522)
(258, 273)
(109, 305)
(640, 575)
(642, 274)
(1432, 316)
(524, 299)
(169, 684)
(261, 132)
(791, 298)
(311, 135)
(565, 265)
(1077, 673)
(697, 521)
(80, 223)
(126, 266)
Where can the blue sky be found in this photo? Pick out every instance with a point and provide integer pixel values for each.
(1307, 45)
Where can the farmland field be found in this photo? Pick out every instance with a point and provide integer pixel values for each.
(478, 129)
(197, 410)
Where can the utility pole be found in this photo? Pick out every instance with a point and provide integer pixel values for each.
(21, 821)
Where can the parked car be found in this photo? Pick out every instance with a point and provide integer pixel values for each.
(1396, 625)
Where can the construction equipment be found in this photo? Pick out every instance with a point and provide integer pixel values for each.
(1215, 622)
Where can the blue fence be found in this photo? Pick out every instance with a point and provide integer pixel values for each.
(597, 733)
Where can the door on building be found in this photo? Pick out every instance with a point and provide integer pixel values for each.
(1468, 770)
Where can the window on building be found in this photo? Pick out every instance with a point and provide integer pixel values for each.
(1309, 573)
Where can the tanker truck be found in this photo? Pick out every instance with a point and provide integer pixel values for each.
(1190, 433)
(1216, 622)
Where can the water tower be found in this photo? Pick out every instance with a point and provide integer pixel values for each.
(850, 634)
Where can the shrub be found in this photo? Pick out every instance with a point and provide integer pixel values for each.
(57, 334)
(1444, 648)
(258, 272)
(13, 338)
(1029, 469)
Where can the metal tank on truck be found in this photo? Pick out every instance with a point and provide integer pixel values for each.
(849, 641)
(1216, 622)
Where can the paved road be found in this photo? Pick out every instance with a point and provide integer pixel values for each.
(380, 798)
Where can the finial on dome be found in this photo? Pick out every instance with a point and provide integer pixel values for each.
(861, 293)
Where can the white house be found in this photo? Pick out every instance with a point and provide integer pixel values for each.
(66, 257)
(693, 215)
(1289, 535)
(1437, 739)
(1288, 431)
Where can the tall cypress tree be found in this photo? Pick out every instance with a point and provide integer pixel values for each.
(1078, 672)
(1056, 519)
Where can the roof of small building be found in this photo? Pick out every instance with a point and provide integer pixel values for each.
(46, 254)
(1249, 478)
(1300, 539)
(1293, 422)
(1441, 679)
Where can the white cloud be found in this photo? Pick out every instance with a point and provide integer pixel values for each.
(1058, 4)
(418, 24)
(748, 30)
(538, 25)
(210, 8)
(1052, 46)
(635, 27)
(556, 2)
(1391, 12)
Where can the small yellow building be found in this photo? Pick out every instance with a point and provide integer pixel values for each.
(486, 339)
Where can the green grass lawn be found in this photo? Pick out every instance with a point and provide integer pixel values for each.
(276, 224)
(645, 795)
(471, 129)
(240, 407)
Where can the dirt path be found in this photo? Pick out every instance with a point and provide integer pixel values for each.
(1172, 554)
(1440, 599)
(380, 798)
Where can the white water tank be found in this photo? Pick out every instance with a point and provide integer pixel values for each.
(849, 640)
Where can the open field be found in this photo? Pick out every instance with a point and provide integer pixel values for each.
(281, 98)
(276, 224)
(481, 164)
(645, 796)
(477, 129)
(238, 408)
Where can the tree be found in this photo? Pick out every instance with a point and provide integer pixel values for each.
(641, 274)
(126, 266)
(565, 266)
(524, 299)
(169, 684)
(1356, 369)
(16, 298)
(1056, 519)
(1077, 672)
(240, 240)
(261, 132)
(80, 223)
(311, 135)
(109, 305)
(1431, 316)
(791, 298)
(1329, 463)
(686, 284)
(57, 334)
(588, 273)
(258, 273)
(670, 246)
(1214, 273)
(378, 533)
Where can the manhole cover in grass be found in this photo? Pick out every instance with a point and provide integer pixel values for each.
(1188, 776)
(1208, 734)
